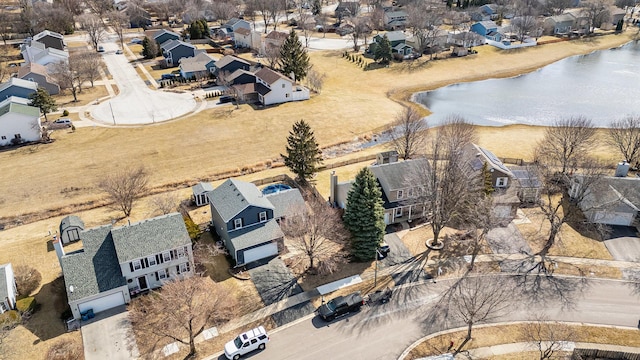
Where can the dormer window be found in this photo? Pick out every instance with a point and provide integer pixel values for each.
(237, 223)
(263, 216)
(152, 260)
(136, 265)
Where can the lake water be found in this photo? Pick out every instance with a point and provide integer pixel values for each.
(602, 86)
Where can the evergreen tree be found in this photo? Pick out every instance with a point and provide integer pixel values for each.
(303, 153)
(449, 4)
(42, 100)
(150, 48)
(293, 57)
(487, 180)
(364, 216)
(619, 25)
(198, 29)
(382, 52)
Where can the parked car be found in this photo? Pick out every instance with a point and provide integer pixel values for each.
(246, 342)
(136, 41)
(169, 76)
(119, 51)
(226, 99)
(383, 250)
(340, 306)
(100, 48)
(63, 121)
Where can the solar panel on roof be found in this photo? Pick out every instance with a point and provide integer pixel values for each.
(494, 159)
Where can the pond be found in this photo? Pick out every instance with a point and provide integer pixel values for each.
(603, 86)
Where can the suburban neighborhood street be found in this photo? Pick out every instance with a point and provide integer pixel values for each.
(384, 331)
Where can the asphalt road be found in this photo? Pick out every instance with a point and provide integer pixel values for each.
(384, 331)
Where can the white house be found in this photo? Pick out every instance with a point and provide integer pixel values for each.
(19, 122)
(39, 53)
(8, 291)
(275, 88)
(246, 38)
(118, 263)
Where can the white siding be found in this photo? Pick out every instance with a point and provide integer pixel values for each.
(13, 123)
(100, 302)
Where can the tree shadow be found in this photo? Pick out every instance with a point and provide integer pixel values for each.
(46, 323)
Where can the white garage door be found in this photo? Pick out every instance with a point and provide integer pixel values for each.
(103, 303)
(613, 218)
(260, 252)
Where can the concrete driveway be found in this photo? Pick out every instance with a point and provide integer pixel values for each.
(507, 240)
(274, 282)
(623, 243)
(136, 104)
(108, 336)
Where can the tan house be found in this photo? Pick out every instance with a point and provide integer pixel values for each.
(274, 39)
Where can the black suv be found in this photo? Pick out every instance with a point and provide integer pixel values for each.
(340, 306)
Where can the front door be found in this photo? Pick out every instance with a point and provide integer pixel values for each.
(142, 283)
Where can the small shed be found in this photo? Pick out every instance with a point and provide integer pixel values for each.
(200, 191)
(70, 228)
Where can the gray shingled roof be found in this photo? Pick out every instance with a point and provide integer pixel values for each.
(394, 36)
(228, 59)
(195, 63)
(94, 269)
(201, 187)
(286, 203)
(151, 236)
(233, 196)
(612, 191)
(393, 175)
(4, 290)
(256, 235)
(69, 221)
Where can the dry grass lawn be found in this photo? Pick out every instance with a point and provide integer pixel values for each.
(88, 95)
(506, 334)
(156, 71)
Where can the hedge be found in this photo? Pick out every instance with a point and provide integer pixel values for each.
(26, 304)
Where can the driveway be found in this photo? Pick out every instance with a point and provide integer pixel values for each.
(108, 336)
(137, 104)
(507, 240)
(274, 282)
(623, 243)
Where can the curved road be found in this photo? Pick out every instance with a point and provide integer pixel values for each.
(384, 331)
(137, 104)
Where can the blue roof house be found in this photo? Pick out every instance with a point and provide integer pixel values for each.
(488, 29)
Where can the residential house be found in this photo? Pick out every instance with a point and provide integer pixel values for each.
(396, 19)
(18, 88)
(346, 9)
(485, 12)
(615, 15)
(609, 200)
(174, 50)
(559, 24)
(200, 191)
(8, 290)
(201, 65)
(242, 76)
(70, 228)
(275, 88)
(528, 184)
(247, 93)
(50, 39)
(234, 24)
(246, 38)
(162, 36)
(37, 52)
(273, 40)
(397, 39)
(19, 122)
(487, 29)
(138, 16)
(247, 221)
(228, 64)
(438, 42)
(505, 200)
(117, 263)
(581, 21)
(38, 74)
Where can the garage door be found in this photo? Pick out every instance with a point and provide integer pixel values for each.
(103, 303)
(260, 252)
(613, 218)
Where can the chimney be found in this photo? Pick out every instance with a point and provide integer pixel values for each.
(333, 181)
(623, 169)
(57, 244)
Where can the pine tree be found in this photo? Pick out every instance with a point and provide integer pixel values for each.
(364, 216)
(487, 179)
(382, 52)
(150, 48)
(42, 100)
(293, 57)
(303, 154)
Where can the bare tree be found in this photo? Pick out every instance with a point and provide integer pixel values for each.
(68, 76)
(272, 54)
(557, 7)
(118, 22)
(566, 142)
(224, 10)
(179, 312)
(88, 64)
(597, 11)
(124, 186)
(27, 279)
(377, 19)
(165, 203)
(425, 22)
(475, 300)
(262, 6)
(548, 337)
(441, 184)
(478, 220)
(65, 349)
(318, 234)
(4, 70)
(53, 17)
(361, 27)
(525, 25)
(99, 7)
(624, 135)
(315, 80)
(94, 27)
(7, 20)
(72, 6)
(272, 9)
(408, 133)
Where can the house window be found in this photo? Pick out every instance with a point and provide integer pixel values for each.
(152, 260)
(400, 194)
(183, 268)
(398, 212)
(3, 307)
(263, 216)
(237, 223)
(17, 136)
(501, 182)
(166, 256)
(136, 265)
(283, 86)
(410, 193)
(4, 138)
(162, 274)
(181, 253)
(286, 95)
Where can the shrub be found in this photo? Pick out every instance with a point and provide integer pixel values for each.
(65, 113)
(27, 279)
(65, 349)
(73, 127)
(27, 304)
(9, 319)
(192, 228)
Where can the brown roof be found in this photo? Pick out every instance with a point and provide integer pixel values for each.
(243, 31)
(246, 89)
(269, 76)
(32, 68)
(277, 35)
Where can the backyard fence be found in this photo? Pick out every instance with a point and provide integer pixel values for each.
(593, 354)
